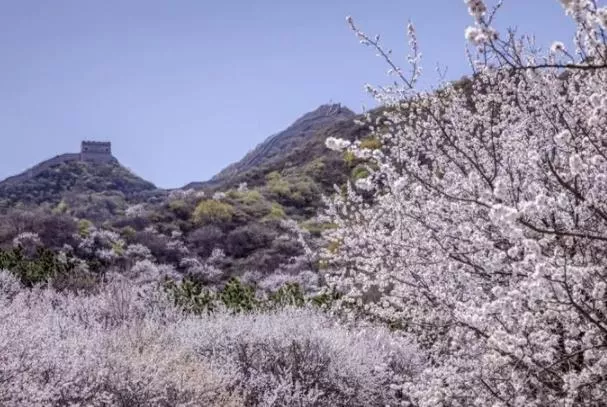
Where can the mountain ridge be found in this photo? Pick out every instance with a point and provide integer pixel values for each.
(268, 154)
(291, 149)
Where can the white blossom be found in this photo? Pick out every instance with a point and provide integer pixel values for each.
(218, 196)
(484, 236)
(27, 240)
(336, 144)
(557, 46)
(127, 346)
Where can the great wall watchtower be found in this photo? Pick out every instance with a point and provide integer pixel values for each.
(98, 151)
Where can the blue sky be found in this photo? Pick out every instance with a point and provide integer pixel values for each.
(183, 88)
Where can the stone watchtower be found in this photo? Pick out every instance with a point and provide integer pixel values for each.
(98, 151)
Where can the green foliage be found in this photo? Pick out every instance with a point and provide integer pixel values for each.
(251, 202)
(118, 249)
(212, 211)
(349, 158)
(288, 295)
(40, 268)
(239, 297)
(273, 176)
(359, 172)
(180, 208)
(276, 212)
(371, 143)
(248, 197)
(293, 190)
(315, 168)
(128, 232)
(277, 185)
(191, 297)
(62, 207)
(325, 299)
(84, 227)
(333, 246)
(194, 297)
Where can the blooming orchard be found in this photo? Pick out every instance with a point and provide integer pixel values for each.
(482, 227)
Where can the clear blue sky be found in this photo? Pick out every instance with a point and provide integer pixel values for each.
(182, 88)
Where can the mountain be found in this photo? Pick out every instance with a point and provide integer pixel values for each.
(298, 152)
(292, 150)
(85, 173)
(286, 177)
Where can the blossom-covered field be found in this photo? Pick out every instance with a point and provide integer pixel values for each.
(128, 345)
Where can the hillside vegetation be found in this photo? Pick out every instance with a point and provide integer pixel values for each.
(53, 184)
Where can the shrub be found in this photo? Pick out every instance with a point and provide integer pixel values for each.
(277, 212)
(243, 240)
(349, 158)
(360, 172)
(289, 295)
(162, 247)
(300, 357)
(316, 228)
(54, 230)
(248, 197)
(180, 208)
(84, 227)
(277, 185)
(297, 191)
(371, 143)
(43, 266)
(194, 297)
(62, 207)
(212, 211)
(238, 297)
(205, 238)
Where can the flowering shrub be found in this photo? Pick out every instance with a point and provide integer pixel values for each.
(129, 347)
(9, 285)
(481, 229)
(59, 350)
(300, 357)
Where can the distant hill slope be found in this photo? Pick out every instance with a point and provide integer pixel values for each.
(51, 180)
(287, 175)
(294, 148)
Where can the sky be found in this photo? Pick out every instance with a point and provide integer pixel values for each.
(182, 88)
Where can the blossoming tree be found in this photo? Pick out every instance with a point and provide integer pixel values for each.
(482, 227)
